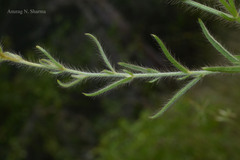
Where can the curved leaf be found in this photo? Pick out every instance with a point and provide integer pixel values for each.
(109, 87)
(50, 57)
(217, 45)
(105, 59)
(169, 56)
(69, 84)
(177, 96)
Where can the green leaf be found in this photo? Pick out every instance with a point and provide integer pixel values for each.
(150, 70)
(228, 18)
(226, 5)
(233, 7)
(230, 7)
(50, 57)
(177, 96)
(69, 84)
(229, 69)
(105, 59)
(107, 71)
(128, 72)
(183, 78)
(237, 56)
(206, 8)
(217, 45)
(47, 63)
(56, 72)
(169, 56)
(109, 87)
(137, 68)
(154, 80)
(8, 56)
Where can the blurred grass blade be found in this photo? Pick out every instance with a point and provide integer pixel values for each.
(227, 6)
(234, 9)
(228, 18)
(231, 8)
(237, 56)
(217, 45)
(137, 68)
(49, 56)
(177, 96)
(109, 87)
(206, 8)
(105, 59)
(69, 84)
(169, 56)
(230, 69)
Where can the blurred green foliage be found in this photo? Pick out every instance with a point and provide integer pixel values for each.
(196, 128)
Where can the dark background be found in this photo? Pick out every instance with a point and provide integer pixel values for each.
(40, 120)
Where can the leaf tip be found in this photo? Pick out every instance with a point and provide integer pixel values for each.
(38, 47)
(153, 35)
(199, 20)
(120, 63)
(60, 83)
(157, 115)
(87, 94)
(89, 35)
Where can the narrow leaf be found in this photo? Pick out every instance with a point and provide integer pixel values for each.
(47, 63)
(154, 80)
(107, 71)
(234, 9)
(226, 5)
(127, 71)
(217, 45)
(177, 96)
(105, 59)
(230, 69)
(56, 72)
(50, 57)
(109, 87)
(69, 84)
(150, 70)
(228, 18)
(183, 78)
(206, 8)
(169, 56)
(137, 68)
